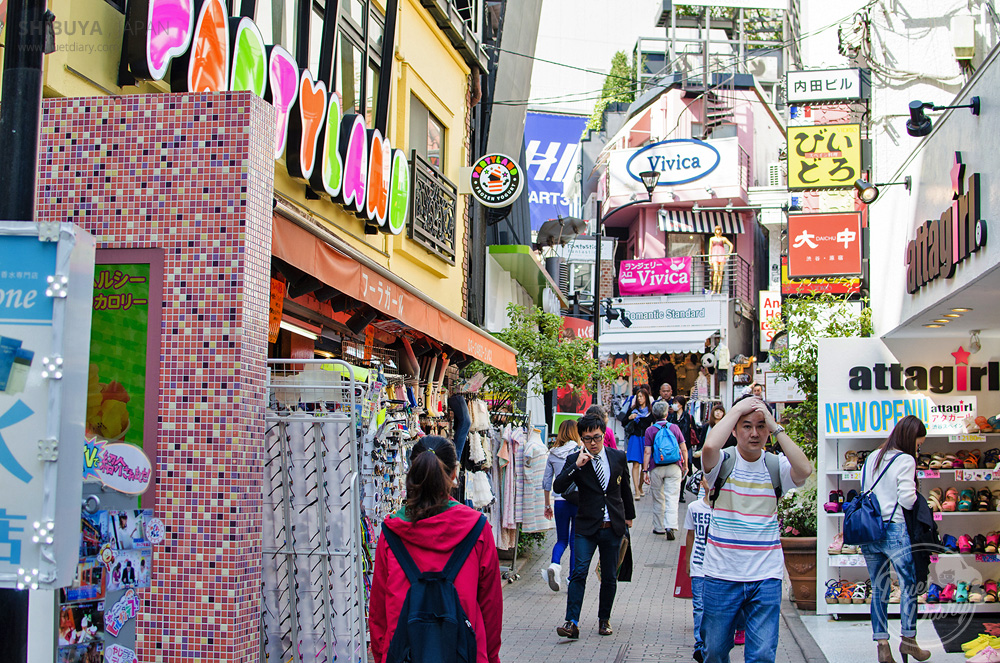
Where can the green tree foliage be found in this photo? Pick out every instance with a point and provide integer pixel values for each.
(543, 354)
(619, 85)
(806, 320)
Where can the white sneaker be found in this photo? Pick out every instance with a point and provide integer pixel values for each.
(552, 576)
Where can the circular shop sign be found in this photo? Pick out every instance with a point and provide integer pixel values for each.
(497, 180)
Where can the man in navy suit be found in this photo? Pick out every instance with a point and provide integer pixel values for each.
(604, 514)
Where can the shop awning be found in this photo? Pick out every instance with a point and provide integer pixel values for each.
(525, 268)
(625, 341)
(387, 293)
(686, 221)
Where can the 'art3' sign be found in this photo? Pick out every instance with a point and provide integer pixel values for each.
(206, 50)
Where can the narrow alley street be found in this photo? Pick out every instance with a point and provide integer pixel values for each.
(649, 623)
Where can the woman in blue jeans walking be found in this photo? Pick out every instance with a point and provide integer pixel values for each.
(890, 472)
(567, 442)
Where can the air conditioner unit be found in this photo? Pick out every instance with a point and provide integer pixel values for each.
(774, 177)
(963, 36)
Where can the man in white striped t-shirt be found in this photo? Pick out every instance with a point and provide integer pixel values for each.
(743, 564)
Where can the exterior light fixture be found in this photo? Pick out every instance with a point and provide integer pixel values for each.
(942, 321)
(868, 193)
(952, 315)
(301, 331)
(649, 180)
(974, 344)
(933, 326)
(710, 191)
(961, 310)
(919, 125)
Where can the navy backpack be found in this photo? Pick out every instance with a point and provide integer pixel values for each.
(432, 626)
(863, 515)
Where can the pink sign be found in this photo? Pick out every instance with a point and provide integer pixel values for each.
(655, 276)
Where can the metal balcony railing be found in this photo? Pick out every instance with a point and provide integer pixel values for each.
(432, 209)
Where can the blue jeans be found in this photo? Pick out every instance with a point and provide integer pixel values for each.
(760, 601)
(698, 610)
(894, 548)
(463, 422)
(565, 514)
(608, 543)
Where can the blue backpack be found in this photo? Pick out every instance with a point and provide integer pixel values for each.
(432, 626)
(666, 450)
(863, 515)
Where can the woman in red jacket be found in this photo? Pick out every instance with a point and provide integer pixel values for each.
(431, 526)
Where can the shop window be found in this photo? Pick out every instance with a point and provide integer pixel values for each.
(679, 245)
(349, 76)
(427, 134)
(581, 278)
(371, 94)
(276, 20)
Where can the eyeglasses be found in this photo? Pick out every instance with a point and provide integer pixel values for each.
(592, 438)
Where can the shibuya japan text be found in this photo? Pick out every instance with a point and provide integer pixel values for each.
(374, 331)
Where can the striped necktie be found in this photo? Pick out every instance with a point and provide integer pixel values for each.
(599, 470)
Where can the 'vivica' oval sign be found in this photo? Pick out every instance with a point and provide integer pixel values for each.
(678, 161)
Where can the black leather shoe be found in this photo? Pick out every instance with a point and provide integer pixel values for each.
(568, 630)
(604, 627)
(670, 535)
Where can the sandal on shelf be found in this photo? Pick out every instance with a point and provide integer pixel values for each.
(975, 593)
(846, 591)
(934, 593)
(996, 500)
(991, 458)
(984, 424)
(858, 595)
(895, 594)
(934, 499)
(862, 456)
(979, 543)
(953, 461)
(923, 461)
(990, 587)
(965, 544)
(983, 499)
(851, 494)
(948, 593)
(850, 461)
(936, 462)
(832, 590)
(837, 546)
(972, 460)
(949, 543)
(962, 593)
(992, 541)
(868, 591)
(950, 501)
(965, 499)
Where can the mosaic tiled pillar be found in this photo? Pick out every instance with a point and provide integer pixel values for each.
(191, 174)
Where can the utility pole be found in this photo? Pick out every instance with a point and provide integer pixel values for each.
(28, 25)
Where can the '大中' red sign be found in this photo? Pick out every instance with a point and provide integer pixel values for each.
(655, 276)
(824, 244)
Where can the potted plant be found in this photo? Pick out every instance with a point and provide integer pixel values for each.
(797, 529)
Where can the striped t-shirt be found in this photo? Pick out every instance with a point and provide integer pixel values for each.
(743, 540)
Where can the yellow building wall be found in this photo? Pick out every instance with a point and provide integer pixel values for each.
(89, 39)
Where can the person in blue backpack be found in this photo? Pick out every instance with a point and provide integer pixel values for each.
(664, 463)
(435, 557)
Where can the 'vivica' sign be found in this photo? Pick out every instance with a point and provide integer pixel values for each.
(336, 155)
(657, 276)
(678, 161)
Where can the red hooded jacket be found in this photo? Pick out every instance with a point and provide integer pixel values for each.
(430, 542)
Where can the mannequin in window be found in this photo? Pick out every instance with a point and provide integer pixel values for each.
(718, 255)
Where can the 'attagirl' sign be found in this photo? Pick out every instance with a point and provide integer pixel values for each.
(336, 155)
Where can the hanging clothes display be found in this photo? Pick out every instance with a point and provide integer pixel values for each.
(533, 497)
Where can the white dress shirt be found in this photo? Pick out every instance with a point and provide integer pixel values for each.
(602, 458)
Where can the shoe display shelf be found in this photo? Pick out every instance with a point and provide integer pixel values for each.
(945, 568)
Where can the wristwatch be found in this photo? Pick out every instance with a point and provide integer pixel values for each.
(779, 429)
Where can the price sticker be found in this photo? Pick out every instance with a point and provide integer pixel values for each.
(938, 515)
(928, 474)
(967, 437)
(960, 475)
(987, 558)
(933, 559)
(851, 475)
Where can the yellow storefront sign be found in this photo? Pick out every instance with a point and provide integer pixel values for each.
(824, 157)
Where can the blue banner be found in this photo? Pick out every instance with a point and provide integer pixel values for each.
(552, 146)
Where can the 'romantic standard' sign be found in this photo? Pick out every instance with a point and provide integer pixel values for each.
(656, 276)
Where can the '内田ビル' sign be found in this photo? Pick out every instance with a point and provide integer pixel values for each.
(824, 244)
(656, 276)
(336, 155)
(826, 85)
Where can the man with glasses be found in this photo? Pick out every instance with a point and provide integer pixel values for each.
(604, 514)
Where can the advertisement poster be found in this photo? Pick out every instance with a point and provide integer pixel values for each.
(655, 276)
(568, 399)
(552, 145)
(824, 244)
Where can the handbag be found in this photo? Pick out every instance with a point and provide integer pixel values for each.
(863, 515)
(572, 495)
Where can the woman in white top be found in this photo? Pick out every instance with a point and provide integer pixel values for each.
(891, 469)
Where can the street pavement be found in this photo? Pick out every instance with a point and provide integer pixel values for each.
(649, 623)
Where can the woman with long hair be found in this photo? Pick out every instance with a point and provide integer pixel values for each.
(636, 423)
(567, 442)
(431, 525)
(890, 472)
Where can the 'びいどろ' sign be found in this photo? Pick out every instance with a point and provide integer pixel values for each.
(336, 155)
(656, 276)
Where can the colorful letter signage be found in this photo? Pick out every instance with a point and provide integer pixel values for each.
(939, 245)
(656, 276)
(824, 157)
(336, 155)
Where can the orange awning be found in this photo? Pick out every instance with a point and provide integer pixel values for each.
(297, 246)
